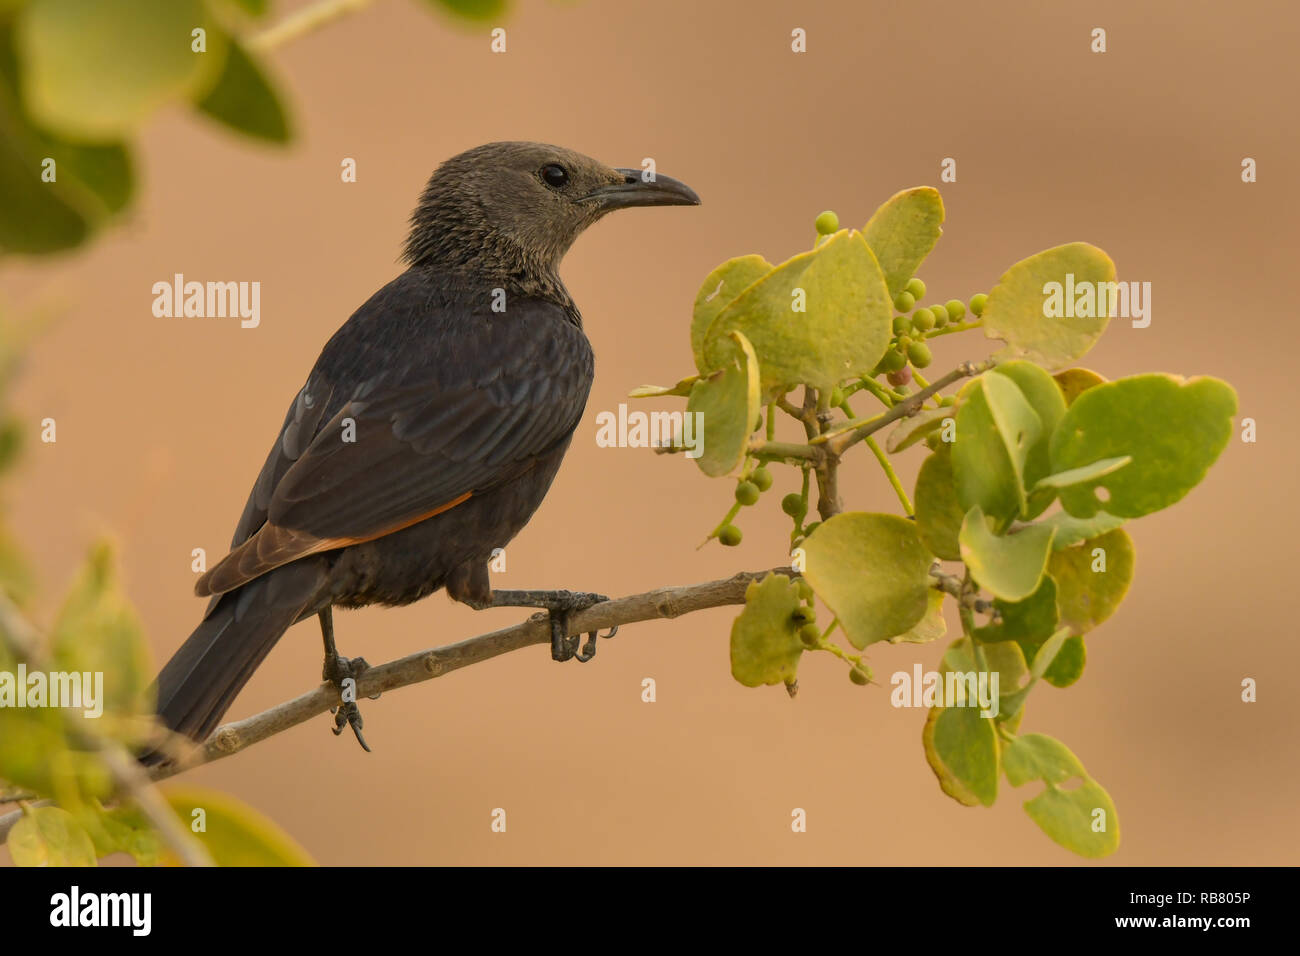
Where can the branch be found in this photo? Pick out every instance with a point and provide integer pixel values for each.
(841, 439)
(662, 603)
(304, 21)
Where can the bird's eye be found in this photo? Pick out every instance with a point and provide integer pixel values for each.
(555, 176)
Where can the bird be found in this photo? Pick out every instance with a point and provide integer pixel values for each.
(426, 434)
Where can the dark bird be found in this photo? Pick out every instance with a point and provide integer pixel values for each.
(428, 431)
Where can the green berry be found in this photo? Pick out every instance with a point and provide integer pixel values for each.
(903, 342)
(916, 287)
(827, 223)
(805, 614)
(809, 529)
(940, 317)
(762, 478)
(977, 303)
(837, 397)
(905, 301)
(955, 309)
(805, 590)
(729, 535)
(810, 634)
(794, 505)
(923, 320)
(893, 361)
(860, 676)
(901, 324)
(747, 493)
(918, 353)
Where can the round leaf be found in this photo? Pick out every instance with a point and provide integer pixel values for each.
(1010, 566)
(843, 330)
(765, 644)
(902, 232)
(938, 513)
(962, 750)
(1086, 597)
(68, 47)
(51, 836)
(872, 571)
(718, 291)
(235, 834)
(1016, 308)
(727, 402)
(1172, 430)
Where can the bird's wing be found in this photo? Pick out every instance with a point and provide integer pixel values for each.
(398, 452)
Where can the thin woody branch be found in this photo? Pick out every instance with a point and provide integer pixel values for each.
(661, 603)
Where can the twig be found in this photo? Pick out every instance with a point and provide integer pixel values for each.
(662, 603)
(840, 440)
(304, 21)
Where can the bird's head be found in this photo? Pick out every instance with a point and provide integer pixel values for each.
(508, 204)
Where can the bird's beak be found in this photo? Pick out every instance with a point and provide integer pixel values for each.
(637, 191)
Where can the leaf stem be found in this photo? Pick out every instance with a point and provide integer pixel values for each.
(892, 476)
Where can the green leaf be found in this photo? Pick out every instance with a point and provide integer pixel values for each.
(90, 183)
(1010, 566)
(656, 391)
(1084, 473)
(1067, 816)
(97, 632)
(1046, 655)
(234, 833)
(123, 829)
(765, 644)
(1075, 381)
(723, 285)
(69, 47)
(1087, 597)
(1029, 622)
(728, 402)
(902, 232)
(938, 513)
(1005, 658)
(1046, 399)
(1016, 311)
(1172, 430)
(996, 428)
(872, 571)
(962, 750)
(844, 329)
(913, 428)
(244, 99)
(1071, 530)
(50, 836)
(1040, 757)
(1067, 666)
(931, 627)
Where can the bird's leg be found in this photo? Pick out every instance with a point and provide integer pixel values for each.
(558, 604)
(337, 670)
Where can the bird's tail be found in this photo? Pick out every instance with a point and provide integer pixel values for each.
(198, 685)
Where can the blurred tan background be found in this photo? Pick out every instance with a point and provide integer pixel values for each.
(163, 423)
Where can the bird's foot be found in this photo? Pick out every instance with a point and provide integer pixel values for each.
(564, 646)
(343, 673)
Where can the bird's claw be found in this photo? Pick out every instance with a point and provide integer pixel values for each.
(337, 670)
(563, 646)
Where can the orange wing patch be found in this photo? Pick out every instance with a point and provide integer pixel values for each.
(272, 546)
